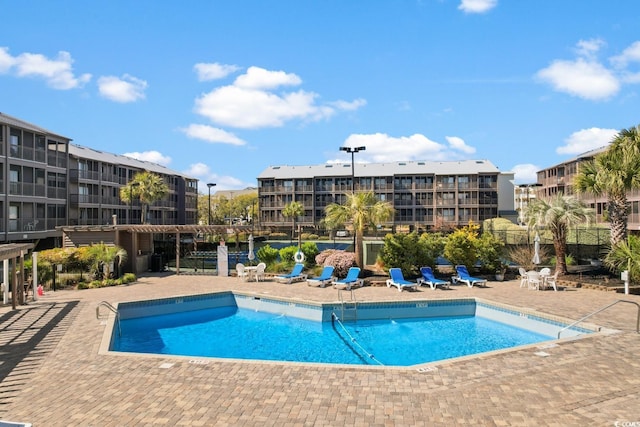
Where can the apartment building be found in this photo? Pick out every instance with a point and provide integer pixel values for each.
(47, 182)
(559, 179)
(424, 194)
(95, 178)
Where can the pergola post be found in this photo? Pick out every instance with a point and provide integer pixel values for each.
(177, 252)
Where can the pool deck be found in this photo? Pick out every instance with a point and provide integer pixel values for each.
(52, 372)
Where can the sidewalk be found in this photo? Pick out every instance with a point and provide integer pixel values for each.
(52, 375)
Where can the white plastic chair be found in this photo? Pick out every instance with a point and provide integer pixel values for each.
(533, 280)
(524, 283)
(242, 273)
(551, 281)
(260, 268)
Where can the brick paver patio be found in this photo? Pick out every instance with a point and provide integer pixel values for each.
(52, 374)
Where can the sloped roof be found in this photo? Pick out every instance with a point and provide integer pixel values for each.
(13, 121)
(118, 159)
(382, 169)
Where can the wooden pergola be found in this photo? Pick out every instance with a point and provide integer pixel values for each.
(14, 253)
(116, 234)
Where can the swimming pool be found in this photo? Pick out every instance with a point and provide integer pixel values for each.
(245, 326)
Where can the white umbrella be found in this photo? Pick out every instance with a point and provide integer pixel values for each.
(536, 250)
(251, 255)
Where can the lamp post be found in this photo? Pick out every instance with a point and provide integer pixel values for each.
(353, 151)
(209, 185)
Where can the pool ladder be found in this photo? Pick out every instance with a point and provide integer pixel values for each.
(348, 308)
(111, 308)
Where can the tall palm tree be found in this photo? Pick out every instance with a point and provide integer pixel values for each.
(293, 210)
(146, 186)
(558, 214)
(364, 211)
(613, 174)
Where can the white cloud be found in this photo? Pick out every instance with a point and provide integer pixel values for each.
(197, 170)
(381, 148)
(259, 78)
(586, 139)
(214, 71)
(247, 108)
(589, 48)
(630, 54)
(211, 134)
(477, 6)
(525, 173)
(6, 60)
(124, 89)
(203, 172)
(251, 102)
(581, 78)
(349, 106)
(150, 156)
(458, 144)
(586, 77)
(58, 72)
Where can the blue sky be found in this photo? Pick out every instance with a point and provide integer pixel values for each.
(220, 90)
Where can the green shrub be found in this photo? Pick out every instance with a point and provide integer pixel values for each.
(569, 259)
(310, 250)
(408, 252)
(287, 253)
(129, 278)
(461, 246)
(491, 253)
(267, 254)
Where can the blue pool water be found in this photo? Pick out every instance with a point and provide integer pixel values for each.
(231, 332)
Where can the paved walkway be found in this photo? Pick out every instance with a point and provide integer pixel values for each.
(51, 372)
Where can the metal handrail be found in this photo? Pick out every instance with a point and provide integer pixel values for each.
(113, 309)
(353, 301)
(603, 309)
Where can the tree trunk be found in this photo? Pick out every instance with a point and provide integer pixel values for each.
(143, 216)
(358, 249)
(561, 256)
(618, 217)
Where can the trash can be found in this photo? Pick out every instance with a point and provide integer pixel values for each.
(156, 263)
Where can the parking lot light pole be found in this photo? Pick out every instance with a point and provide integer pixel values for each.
(353, 151)
(211, 184)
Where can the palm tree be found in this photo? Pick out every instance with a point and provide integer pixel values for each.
(293, 210)
(613, 174)
(147, 187)
(625, 256)
(558, 214)
(364, 211)
(102, 256)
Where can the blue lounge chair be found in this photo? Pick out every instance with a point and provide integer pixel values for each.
(429, 279)
(296, 275)
(464, 277)
(349, 281)
(398, 280)
(323, 279)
